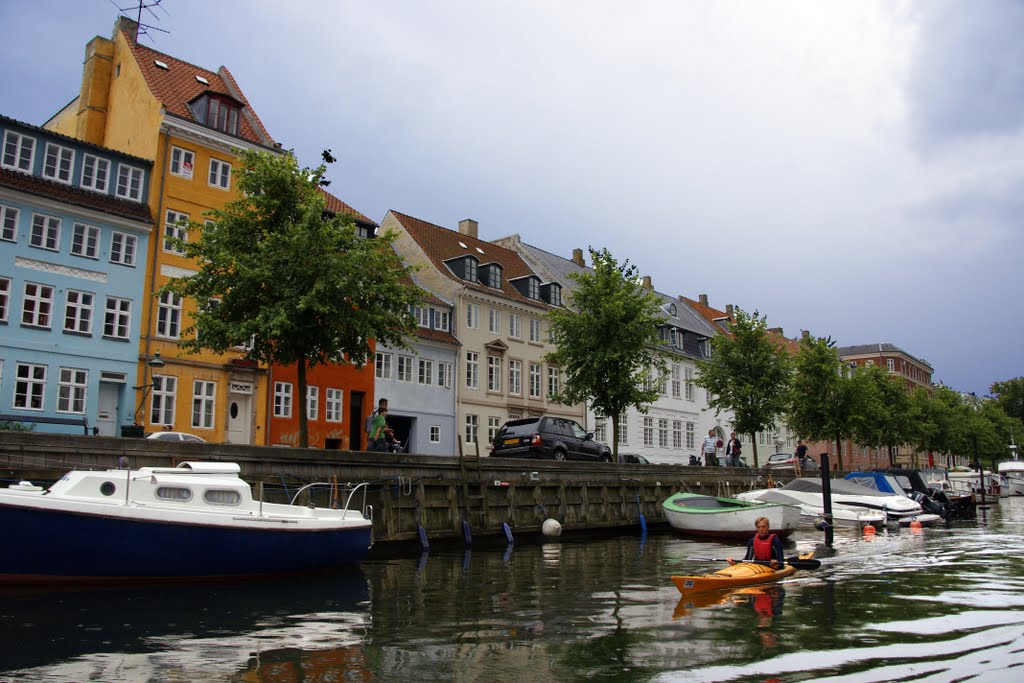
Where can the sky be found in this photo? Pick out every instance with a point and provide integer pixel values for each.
(852, 168)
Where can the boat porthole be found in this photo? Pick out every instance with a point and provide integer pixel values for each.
(107, 488)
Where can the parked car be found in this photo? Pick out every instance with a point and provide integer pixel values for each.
(788, 461)
(548, 437)
(634, 458)
(723, 461)
(175, 436)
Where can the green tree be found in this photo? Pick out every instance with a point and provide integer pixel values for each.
(608, 342)
(828, 401)
(748, 373)
(1010, 397)
(289, 281)
(888, 420)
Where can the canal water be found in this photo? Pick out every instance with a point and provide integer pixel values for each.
(938, 605)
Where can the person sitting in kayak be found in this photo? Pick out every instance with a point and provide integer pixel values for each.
(763, 546)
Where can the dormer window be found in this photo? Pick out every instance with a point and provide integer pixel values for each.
(533, 288)
(218, 112)
(494, 276)
(471, 269)
(552, 293)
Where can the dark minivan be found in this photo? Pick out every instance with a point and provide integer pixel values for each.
(548, 437)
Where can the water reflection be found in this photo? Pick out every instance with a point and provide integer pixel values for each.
(942, 605)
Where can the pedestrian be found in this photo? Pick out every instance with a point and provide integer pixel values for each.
(799, 459)
(732, 451)
(382, 404)
(379, 431)
(710, 445)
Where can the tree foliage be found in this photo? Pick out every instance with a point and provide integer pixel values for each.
(1010, 397)
(749, 374)
(291, 283)
(608, 342)
(888, 422)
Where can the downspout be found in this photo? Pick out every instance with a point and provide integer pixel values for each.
(147, 373)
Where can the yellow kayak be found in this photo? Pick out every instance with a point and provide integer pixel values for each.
(733, 576)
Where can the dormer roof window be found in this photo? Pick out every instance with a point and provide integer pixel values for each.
(218, 112)
(552, 293)
(494, 276)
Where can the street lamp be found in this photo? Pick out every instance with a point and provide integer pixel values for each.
(155, 362)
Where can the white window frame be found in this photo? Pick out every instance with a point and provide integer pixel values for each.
(472, 428)
(37, 305)
(422, 315)
(174, 228)
(29, 386)
(535, 331)
(677, 434)
(72, 385)
(515, 377)
(554, 380)
(117, 319)
(9, 216)
(312, 402)
(123, 247)
(45, 232)
(382, 363)
(220, 174)
(691, 435)
(19, 151)
(58, 163)
(648, 431)
(334, 402)
(183, 162)
(677, 382)
(473, 316)
(444, 374)
(129, 182)
(95, 173)
(442, 320)
(204, 404)
(472, 370)
(425, 371)
(494, 373)
(435, 433)
(515, 329)
(623, 434)
(163, 399)
(688, 384)
(85, 240)
(494, 320)
(405, 368)
(168, 317)
(663, 432)
(493, 425)
(79, 308)
(5, 298)
(535, 379)
(283, 399)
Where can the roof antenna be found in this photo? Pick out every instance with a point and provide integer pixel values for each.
(140, 28)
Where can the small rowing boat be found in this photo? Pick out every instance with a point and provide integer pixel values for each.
(721, 517)
(742, 574)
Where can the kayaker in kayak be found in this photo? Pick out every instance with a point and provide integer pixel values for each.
(763, 546)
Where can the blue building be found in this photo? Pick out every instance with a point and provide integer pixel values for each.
(74, 230)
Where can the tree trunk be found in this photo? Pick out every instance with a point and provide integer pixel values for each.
(301, 399)
(615, 437)
(753, 445)
(839, 453)
(892, 457)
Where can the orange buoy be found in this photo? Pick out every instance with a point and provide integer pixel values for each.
(869, 530)
(915, 524)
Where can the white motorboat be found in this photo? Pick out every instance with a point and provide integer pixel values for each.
(843, 517)
(196, 520)
(845, 494)
(1011, 472)
(966, 480)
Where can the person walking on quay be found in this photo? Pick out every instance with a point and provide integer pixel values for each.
(379, 431)
(798, 460)
(382, 404)
(710, 446)
(732, 451)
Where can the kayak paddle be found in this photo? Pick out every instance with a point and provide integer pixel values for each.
(794, 562)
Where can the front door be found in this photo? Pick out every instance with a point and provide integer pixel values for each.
(240, 414)
(356, 426)
(106, 411)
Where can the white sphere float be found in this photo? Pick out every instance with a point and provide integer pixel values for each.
(551, 527)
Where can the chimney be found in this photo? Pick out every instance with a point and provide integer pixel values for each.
(577, 258)
(728, 311)
(703, 298)
(647, 283)
(468, 227)
(804, 334)
(776, 330)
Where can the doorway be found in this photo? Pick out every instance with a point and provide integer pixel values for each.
(106, 410)
(355, 421)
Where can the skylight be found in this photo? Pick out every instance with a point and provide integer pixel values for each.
(480, 250)
(161, 65)
(463, 245)
(202, 80)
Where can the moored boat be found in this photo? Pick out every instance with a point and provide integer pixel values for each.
(813, 512)
(197, 520)
(722, 517)
(1012, 474)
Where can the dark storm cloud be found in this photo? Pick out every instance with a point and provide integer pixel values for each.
(967, 73)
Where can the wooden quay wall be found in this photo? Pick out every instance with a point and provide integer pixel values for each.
(407, 492)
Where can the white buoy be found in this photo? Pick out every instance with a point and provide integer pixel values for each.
(551, 527)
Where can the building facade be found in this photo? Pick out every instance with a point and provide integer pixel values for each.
(74, 230)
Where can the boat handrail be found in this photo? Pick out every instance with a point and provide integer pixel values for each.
(363, 485)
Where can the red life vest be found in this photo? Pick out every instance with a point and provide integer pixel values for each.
(763, 547)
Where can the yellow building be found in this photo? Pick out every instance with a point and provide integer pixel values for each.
(190, 122)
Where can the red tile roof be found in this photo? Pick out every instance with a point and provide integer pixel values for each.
(712, 315)
(336, 206)
(176, 85)
(441, 244)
